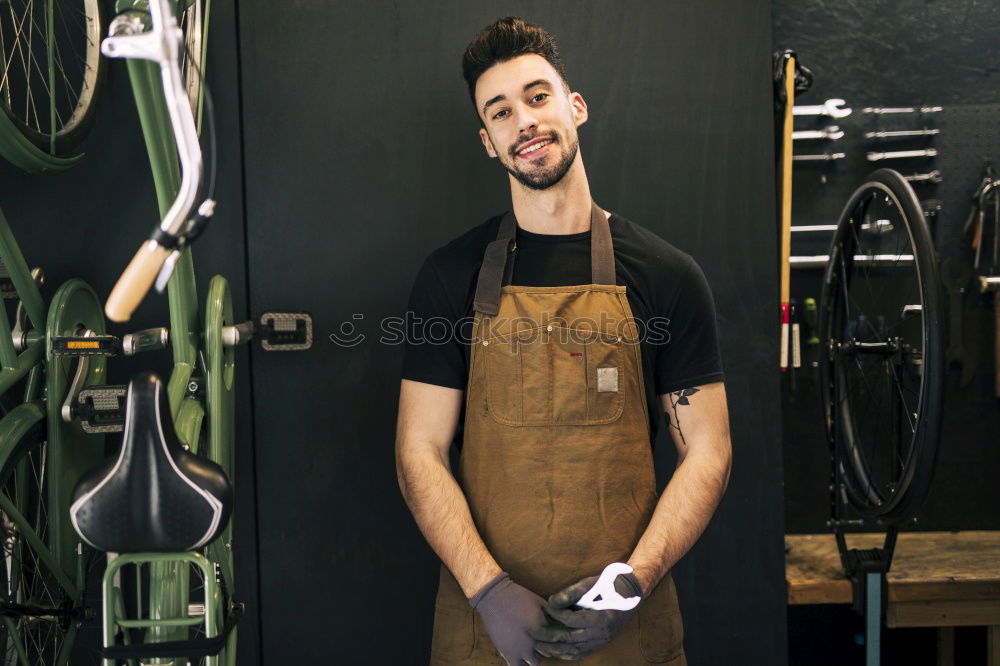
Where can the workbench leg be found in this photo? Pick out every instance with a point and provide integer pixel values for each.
(993, 645)
(946, 646)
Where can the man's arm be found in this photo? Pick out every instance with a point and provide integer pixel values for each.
(428, 416)
(699, 426)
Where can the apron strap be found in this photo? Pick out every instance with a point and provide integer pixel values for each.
(602, 254)
(492, 271)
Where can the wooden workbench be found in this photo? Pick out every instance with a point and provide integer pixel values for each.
(937, 579)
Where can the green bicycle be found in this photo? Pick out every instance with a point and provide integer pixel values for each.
(164, 598)
(51, 78)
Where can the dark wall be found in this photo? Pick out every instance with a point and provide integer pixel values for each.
(895, 52)
(361, 157)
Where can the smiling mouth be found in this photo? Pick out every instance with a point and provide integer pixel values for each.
(534, 148)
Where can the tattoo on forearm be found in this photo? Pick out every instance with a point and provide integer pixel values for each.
(678, 398)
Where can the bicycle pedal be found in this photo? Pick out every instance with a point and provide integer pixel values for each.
(285, 331)
(102, 408)
(79, 345)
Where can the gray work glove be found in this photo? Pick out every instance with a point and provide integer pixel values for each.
(581, 631)
(509, 612)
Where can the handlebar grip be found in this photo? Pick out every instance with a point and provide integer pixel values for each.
(135, 281)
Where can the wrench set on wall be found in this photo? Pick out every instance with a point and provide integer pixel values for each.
(834, 109)
(885, 139)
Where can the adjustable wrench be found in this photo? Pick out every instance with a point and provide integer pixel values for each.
(955, 277)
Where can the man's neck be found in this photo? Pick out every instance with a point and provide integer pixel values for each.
(563, 208)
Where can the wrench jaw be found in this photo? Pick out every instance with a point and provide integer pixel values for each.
(604, 596)
(833, 108)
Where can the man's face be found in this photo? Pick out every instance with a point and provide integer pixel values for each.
(530, 120)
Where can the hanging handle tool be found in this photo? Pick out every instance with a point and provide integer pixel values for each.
(786, 206)
(604, 596)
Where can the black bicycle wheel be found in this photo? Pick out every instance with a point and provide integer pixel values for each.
(880, 324)
(28, 96)
(39, 612)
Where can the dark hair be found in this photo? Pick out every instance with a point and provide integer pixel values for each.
(504, 40)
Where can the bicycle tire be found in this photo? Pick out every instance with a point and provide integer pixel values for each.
(850, 339)
(45, 635)
(76, 105)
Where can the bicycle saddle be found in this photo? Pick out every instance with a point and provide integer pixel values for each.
(155, 497)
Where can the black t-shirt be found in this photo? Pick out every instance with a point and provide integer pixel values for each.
(667, 291)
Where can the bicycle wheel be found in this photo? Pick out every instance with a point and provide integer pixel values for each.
(52, 70)
(880, 324)
(39, 616)
(193, 20)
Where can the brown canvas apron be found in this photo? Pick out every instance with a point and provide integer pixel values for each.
(556, 463)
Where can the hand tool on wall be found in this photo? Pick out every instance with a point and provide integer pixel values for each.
(877, 110)
(786, 206)
(831, 132)
(833, 108)
(812, 330)
(823, 157)
(900, 133)
(995, 287)
(790, 78)
(932, 177)
(984, 194)
(793, 317)
(901, 154)
(955, 275)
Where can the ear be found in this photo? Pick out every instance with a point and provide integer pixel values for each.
(579, 108)
(487, 143)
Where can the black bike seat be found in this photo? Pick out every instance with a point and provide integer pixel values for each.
(155, 496)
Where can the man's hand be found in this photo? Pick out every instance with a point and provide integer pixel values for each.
(509, 613)
(581, 631)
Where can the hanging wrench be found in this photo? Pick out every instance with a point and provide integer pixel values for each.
(831, 132)
(955, 277)
(831, 107)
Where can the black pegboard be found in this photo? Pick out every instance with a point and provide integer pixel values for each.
(968, 134)
(961, 497)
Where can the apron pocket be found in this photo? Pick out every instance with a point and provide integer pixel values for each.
(503, 378)
(453, 637)
(661, 633)
(565, 376)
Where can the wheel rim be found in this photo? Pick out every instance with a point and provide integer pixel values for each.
(876, 310)
(24, 579)
(26, 95)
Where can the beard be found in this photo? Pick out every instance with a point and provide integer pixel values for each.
(542, 177)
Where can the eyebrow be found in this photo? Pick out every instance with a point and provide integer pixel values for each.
(527, 86)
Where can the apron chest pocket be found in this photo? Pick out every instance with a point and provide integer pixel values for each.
(552, 375)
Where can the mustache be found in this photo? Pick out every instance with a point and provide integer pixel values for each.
(521, 140)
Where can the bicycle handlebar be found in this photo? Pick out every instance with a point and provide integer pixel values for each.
(161, 44)
(135, 281)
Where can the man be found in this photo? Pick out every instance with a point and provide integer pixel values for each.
(562, 398)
